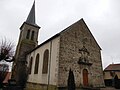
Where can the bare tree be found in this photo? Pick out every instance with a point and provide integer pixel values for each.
(6, 50)
(6, 55)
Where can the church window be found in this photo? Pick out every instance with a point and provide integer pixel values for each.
(32, 36)
(28, 34)
(36, 64)
(45, 62)
(30, 65)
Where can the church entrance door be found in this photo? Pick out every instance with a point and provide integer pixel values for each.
(85, 77)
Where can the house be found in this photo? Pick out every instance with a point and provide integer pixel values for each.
(47, 65)
(112, 75)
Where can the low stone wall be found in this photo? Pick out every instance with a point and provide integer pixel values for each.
(36, 86)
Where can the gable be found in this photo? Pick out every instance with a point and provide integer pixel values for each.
(80, 26)
(78, 50)
(90, 33)
(113, 67)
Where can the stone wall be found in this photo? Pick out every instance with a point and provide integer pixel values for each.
(71, 40)
(36, 86)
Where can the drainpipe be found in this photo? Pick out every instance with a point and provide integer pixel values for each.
(49, 65)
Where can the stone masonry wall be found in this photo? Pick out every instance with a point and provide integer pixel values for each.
(71, 40)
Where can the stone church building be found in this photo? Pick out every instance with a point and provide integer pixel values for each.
(48, 64)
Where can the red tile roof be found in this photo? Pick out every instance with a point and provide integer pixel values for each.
(113, 67)
(8, 76)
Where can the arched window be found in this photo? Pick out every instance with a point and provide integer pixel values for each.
(32, 36)
(30, 65)
(28, 34)
(45, 62)
(36, 64)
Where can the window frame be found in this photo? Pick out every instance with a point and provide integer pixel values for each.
(36, 64)
(28, 34)
(45, 62)
(32, 35)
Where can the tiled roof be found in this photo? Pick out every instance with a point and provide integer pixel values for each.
(113, 67)
(8, 76)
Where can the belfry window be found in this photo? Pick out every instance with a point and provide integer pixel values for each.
(36, 64)
(28, 34)
(32, 36)
(30, 65)
(45, 62)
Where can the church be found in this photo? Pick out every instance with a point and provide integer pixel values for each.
(47, 66)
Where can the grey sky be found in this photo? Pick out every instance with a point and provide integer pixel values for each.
(101, 16)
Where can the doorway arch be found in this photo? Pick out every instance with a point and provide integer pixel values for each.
(85, 77)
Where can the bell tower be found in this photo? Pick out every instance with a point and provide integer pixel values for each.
(28, 40)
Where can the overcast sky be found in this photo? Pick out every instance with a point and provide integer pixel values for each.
(101, 16)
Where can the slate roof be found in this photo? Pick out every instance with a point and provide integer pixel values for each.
(31, 17)
(58, 34)
(7, 77)
(112, 67)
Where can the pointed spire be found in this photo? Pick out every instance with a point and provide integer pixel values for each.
(31, 16)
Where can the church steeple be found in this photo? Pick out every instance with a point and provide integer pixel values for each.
(28, 40)
(31, 17)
